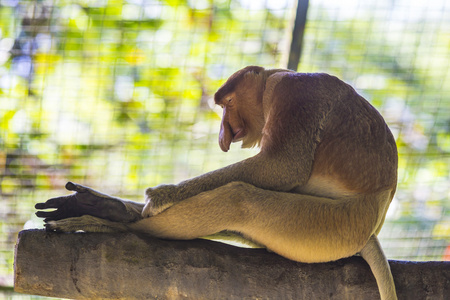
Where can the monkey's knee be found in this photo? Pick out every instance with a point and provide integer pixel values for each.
(237, 188)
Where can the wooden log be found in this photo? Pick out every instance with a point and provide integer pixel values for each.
(128, 266)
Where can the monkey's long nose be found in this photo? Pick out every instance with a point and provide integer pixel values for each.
(225, 136)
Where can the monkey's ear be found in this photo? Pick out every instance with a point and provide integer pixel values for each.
(225, 136)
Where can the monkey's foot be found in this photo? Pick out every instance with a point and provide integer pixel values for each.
(85, 223)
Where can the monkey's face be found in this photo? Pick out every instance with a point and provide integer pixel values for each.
(242, 120)
(243, 117)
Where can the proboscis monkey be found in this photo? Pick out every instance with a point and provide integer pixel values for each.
(317, 191)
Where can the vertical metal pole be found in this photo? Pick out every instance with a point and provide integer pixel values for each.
(295, 50)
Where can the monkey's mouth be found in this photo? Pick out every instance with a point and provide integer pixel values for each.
(238, 135)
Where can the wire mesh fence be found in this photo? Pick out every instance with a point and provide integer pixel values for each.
(117, 95)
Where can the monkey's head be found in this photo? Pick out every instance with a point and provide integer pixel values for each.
(241, 99)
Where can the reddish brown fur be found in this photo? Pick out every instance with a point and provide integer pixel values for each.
(364, 165)
(237, 114)
(231, 84)
(350, 140)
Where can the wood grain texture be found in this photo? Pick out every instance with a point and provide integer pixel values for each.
(128, 266)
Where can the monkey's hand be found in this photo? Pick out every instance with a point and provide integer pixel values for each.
(158, 199)
(86, 201)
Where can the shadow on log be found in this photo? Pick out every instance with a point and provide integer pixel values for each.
(128, 266)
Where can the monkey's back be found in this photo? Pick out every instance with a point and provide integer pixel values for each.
(356, 146)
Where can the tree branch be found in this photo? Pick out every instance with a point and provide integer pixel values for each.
(125, 265)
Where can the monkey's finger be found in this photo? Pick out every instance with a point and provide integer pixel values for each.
(46, 214)
(40, 205)
(56, 215)
(53, 202)
(84, 189)
(53, 215)
(75, 187)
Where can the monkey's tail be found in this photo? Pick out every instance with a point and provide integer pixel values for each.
(374, 256)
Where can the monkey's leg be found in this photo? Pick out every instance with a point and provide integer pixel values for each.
(300, 227)
(202, 215)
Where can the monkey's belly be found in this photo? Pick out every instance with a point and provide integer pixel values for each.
(324, 186)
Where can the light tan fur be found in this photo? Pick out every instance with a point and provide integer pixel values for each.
(318, 190)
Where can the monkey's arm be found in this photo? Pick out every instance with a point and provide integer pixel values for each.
(263, 171)
(294, 115)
